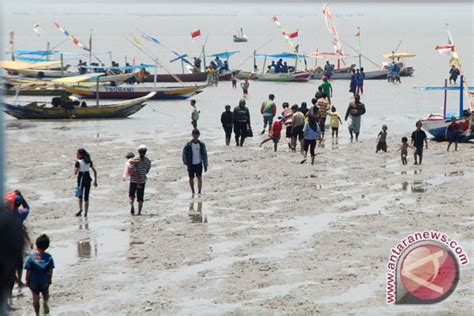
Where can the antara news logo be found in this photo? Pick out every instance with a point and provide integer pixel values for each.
(424, 268)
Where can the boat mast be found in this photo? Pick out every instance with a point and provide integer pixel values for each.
(90, 49)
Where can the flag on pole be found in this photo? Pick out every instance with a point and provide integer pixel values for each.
(336, 42)
(71, 37)
(357, 36)
(38, 30)
(445, 49)
(195, 34)
(150, 38)
(292, 35)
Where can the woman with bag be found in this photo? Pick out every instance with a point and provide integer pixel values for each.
(81, 169)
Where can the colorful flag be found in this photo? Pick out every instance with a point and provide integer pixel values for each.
(38, 30)
(336, 42)
(445, 49)
(288, 36)
(71, 37)
(195, 34)
(357, 36)
(292, 35)
(150, 38)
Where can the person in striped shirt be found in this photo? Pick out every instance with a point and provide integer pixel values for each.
(138, 180)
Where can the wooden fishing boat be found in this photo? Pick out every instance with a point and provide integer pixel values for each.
(129, 92)
(369, 75)
(45, 73)
(191, 77)
(41, 111)
(35, 91)
(302, 76)
(240, 37)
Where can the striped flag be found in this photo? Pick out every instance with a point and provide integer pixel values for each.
(195, 34)
(336, 42)
(150, 38)
(288, 36)
(71, 37)
(357, 36)
(445, 49)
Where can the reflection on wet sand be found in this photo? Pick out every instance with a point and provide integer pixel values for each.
(85, 249)
(196, 216)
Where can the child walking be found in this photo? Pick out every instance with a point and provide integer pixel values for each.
(404, 150)
(418, 137)
(39, 273)
(274, 134)
(382, 139)
(129, 166)
(335, 121)
(245, 87)
(452, 133)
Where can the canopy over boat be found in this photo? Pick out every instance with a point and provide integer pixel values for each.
(225, 55)
(398, 55)
(447, 88)
(19, 65)
(281, 55)
(78, 79)
(327, 55)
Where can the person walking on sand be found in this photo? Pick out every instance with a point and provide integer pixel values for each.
(194, 114)
(311, 133)
(298, 121)
(382, 140)
(360, 81)
(82, 168)
(404, 150)
(195, 158)
(39, 273)
(138, 180)
(418, 137)
(335, 120)
(245, 88)
(268, 111)
(233, 79)
(453, 131)
(287, 115)
(327, 88)
(274, 133)
(353, 83)
(323, 105)
(241, 117)
(227, 121)
(354, 111)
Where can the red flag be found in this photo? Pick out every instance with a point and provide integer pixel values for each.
(195, 34)
(445, 49)
(292, 35)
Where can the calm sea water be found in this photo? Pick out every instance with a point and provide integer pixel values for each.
(419, 27)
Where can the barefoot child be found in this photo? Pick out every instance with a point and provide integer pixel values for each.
(452, 133)
(39, 273)
(404, 150)
(275, 133)
(382, 139)
(335, 121)
(418, 137)
(245, 87)
(129, 166)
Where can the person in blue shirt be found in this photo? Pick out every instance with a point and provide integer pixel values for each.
(311, 133)
(39, 273)
(360, 81)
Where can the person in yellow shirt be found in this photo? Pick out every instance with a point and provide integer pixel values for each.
(335, 121)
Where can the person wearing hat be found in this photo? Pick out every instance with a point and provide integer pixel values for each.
(274, 133)
(382, 139)
(138, 180)
(227, 124)
(354, 111)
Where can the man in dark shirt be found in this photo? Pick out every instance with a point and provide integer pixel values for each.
(227, 124)
(453, 74)
(418, 137)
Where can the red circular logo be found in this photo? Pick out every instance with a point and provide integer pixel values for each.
(429, 273)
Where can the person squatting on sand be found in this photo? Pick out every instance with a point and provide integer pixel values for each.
(82, 171)
(195, 158)
(138, 180)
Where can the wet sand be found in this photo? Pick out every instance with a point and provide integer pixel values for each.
(273, 236)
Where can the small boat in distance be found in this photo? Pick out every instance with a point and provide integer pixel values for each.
(240, 37)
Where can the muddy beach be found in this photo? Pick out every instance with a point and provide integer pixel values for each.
(269, 235)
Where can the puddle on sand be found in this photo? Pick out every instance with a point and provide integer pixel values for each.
(100, 241)
(355, 294)
(195, 212)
